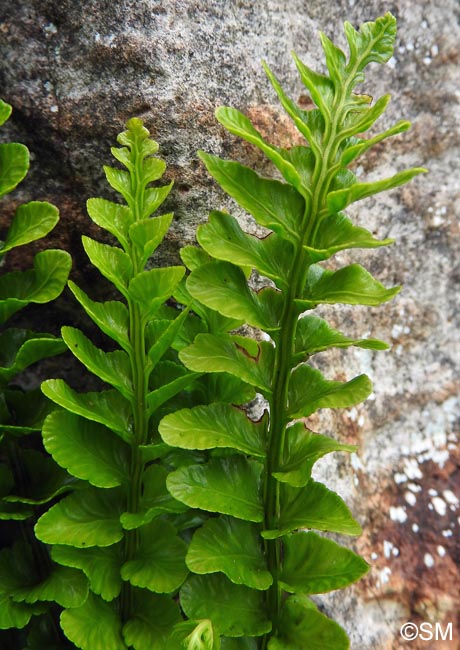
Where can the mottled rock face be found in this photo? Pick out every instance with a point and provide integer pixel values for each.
(75, 72)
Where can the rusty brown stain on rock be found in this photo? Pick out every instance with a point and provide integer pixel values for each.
(415, 560)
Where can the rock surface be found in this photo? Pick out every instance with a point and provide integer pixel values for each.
(76, 71)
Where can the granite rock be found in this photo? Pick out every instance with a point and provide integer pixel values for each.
(76, 71)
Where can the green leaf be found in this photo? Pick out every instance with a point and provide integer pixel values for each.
(309, 391)
(147, 234)
(16, 565)
(6, 480)
(154, 197)
(224, 239)
(14, 165)
(224, 388)
(194, 257)
(86, 449)
(155, 499)
(215, 425)
(152, 623)
(14, 512)
(336, 233)
(169, 389)
(314, 335)
(230, 486)
(303, 159)
(150, 289)
(32, 221)
(235, 610)
(111, 317)
(159, 561)
(43, 480)
(320, 87)
(41, 284)
(112, 367)
(195, 635)
(96, 625)
(166, 339)
(90, 517)
(147, 170)
(137, 137)
(111, 261)
(106, 407)
(240, 125)
(238, 643)
(359, 146)
(207, 319)
(15, 615)
(315, 565)
(351, 285)
(224, 353)
(273, 204)
(373, 42)
(302, 626)
(361, 120)
(302, 448)
(152, 170)
(42, 634)
(123, 155)
(20, 348)
(5, 111)
(113, 217)
(313, 507)
(230, 546)
(154, 451)
(339, 199)
(100, 565)
(65, 586)
(25, 582)
(309, 123)
(23, 412)
(335, 62)
(120, 181)
(223, 287)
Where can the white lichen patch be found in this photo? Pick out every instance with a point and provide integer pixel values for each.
(439, 505)
(413, 487)
(387, 548)
(428, 559)
(410, 498)
(384, 576)
(356, 462)
(50, 28)
(451, 498)
(398, 513)
(353, 414)
(392, 62)
(105, 40)
(412, 469)
(399, 478)
(441, 551)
